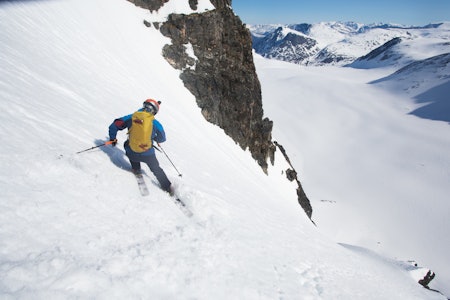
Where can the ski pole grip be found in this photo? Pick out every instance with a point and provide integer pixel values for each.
(111, 142)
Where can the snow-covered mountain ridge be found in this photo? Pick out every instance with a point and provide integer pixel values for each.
(416, 56)
(341, 43)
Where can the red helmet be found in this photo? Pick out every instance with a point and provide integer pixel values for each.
(151, 106)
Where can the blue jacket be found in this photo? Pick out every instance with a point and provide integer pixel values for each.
(158, 134)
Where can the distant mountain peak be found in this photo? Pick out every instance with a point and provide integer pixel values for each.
(343, 43)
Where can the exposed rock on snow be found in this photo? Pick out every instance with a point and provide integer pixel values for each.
(224, 79)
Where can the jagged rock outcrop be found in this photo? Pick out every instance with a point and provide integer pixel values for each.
(152, 5)
(291, 175)
(221, 3)
(222, 75)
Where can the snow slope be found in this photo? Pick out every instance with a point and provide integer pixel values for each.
(378, 176)
(427, 82)
(75, 226)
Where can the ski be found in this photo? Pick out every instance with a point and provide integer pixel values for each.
(141, 184)
(143, 189)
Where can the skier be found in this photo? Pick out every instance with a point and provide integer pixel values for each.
(138, 146)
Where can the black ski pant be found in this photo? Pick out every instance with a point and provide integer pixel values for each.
(153, 164)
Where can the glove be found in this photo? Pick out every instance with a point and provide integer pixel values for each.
(114, 142)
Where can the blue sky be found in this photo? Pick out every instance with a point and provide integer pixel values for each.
(406, 12)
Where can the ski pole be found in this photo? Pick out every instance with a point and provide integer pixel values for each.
(179, 174)
(104, 144)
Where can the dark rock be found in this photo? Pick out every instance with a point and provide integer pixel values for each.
(425, 281)
(291, 175)
(223, 79)
(193, 4)
(152, 5)
(147, 23)
(221, 3)
(177, 57)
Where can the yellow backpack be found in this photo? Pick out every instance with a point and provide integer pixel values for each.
(140, 133)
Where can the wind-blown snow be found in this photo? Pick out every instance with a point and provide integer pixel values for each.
(74, 225)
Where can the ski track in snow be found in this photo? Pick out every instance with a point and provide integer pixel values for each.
(75, 226)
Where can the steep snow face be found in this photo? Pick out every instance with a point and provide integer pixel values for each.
(75, 226)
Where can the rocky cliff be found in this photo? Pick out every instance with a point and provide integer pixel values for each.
(222, 77)
(213, 50)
